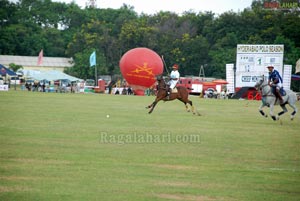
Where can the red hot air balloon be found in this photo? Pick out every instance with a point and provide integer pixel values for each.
(139, 66)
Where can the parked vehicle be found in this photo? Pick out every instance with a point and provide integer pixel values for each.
(89, 83)
(15, 80)
(29, 82)
(210, 93)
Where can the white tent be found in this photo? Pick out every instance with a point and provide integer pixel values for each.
(48, 75)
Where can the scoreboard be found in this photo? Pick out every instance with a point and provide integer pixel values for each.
(252, 60)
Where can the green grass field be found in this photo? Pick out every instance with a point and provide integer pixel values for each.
(64, 147)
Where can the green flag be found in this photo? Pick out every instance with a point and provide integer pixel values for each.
(93, 59)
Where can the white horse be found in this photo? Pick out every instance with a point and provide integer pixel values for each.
(269, 99)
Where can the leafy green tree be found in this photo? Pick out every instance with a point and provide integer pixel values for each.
(137, 34)
(7, 13)
(191, 53)
(15, 67)
(82, 67)
(290, 26)
(52, 41)
(223, 52)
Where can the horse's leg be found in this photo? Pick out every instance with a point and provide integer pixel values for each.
(185, 104)
(274, 117)
(187, 107)
(284, 110)
(260, 109)
(153, 103)
(152, 106)
(192, 106)
(194, 110)
(186, 101)
(295, 110)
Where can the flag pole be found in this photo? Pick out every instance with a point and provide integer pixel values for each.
(96, 75)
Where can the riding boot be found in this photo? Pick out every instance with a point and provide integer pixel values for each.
(279, 97)
(168, 89)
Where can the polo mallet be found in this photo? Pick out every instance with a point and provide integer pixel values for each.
(165, 65)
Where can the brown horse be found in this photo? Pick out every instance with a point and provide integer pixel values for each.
(182, 95)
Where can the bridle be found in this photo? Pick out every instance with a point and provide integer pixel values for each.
(161, 84)
(261, 86)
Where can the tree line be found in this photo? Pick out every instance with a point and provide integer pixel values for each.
(190, 39)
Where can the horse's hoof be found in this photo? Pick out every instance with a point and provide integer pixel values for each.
(275, 118)
(292, 118)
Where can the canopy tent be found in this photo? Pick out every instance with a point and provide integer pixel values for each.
(48, 75)
(5, 71)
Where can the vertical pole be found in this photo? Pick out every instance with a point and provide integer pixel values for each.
(234, 78)
(96, 77)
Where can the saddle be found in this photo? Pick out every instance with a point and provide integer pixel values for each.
(282, 91)
(174, 90)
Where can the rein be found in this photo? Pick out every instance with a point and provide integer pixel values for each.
(164, 88)
(269, 93)
(162, 85)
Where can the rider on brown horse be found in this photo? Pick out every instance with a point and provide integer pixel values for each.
(182, 95)
(174, 78)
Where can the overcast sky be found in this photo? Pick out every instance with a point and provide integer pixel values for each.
(177, 6)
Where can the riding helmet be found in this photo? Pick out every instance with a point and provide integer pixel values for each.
(175, 66)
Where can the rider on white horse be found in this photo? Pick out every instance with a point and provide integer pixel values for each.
(174, 78)
(275, 82)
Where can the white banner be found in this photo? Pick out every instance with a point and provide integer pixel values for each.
(230, 78)
(287, 76)
(3, 87)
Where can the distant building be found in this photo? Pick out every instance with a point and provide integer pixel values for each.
(31, 62)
